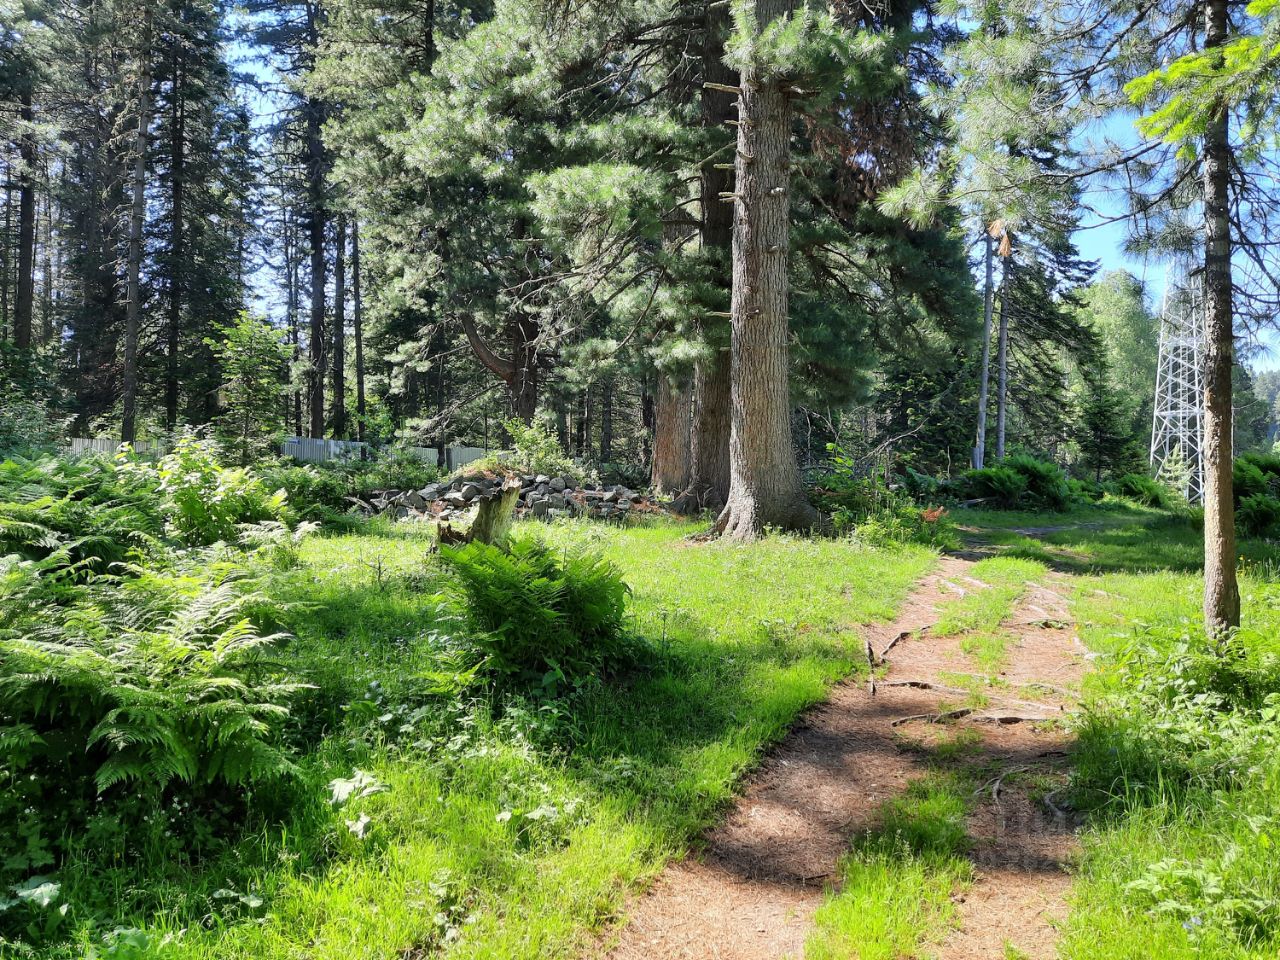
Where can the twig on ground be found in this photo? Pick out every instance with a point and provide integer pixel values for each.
(944, 717)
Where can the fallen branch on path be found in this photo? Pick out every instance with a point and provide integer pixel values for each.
(945, 717)
(899, 638)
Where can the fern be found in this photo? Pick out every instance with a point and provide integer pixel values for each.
(535, 615)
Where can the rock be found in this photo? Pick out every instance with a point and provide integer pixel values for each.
(430, 492)
(470, 491)
(557, 484)
(611, 497)
(556, 501)
(541, 478)
(415, 500)
(539, 508)
(455, 499)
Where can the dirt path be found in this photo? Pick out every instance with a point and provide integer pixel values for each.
(749, 893)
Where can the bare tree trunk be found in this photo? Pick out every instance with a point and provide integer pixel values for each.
(24, 304)
(317, 168)
(133, 290)
(671, 438)
(357, 320)
(291, 310)
(764, 483)
(606, 421)
(709, 479)
(984, 376)
(340, 330)
(178, 188)
(524, 379)
(1002, 357)
(1221, 592)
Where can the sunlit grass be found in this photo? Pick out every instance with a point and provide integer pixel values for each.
(507, 830)
(984, 608)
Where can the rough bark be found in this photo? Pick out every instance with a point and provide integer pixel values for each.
(23, 305)
(524, 379)
(606, 421)
(1221, 592)
(339, 413)
(764, 483)
(709, 479)
(317, 170)
(671, 438)
(291, 312)
(357, 321)
(495, 515)
(137, 209)
(177, 163)
(984, 375)
(1002, 358)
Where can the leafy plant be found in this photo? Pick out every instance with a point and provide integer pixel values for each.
(1247, 480)
(203, 501)
(1046, 482)
(1144, 490)
(537, 450)
(1257, 514)
(1001, 485)
(536, 615)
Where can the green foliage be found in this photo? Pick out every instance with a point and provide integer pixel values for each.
(906, 523)
(1003, 486)
(1143, 490)
(1257, 514)
(1046, 483)
(539, 614)
(203, 501)
(254, 360)
(538, 450)
(1247, 480)
(319, 491)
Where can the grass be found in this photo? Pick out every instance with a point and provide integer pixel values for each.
(984, 608)
(503, 829)
(897, 884)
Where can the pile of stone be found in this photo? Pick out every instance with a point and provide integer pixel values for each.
(541, 496)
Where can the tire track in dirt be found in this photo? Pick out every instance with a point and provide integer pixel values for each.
(749, 891)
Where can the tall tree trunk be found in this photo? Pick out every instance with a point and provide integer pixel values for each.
(340, 330)
(178, 164)
(1221, 592)
(316, 231)
(24, 303)
(671, 438)
(357, 321)
(50, 271)
(606, 421)
(6, 257)
(764, 482)
(524, 376)
(984, 375)
(709, 479)
(1002, 357)
(133, 290)
(291, 310)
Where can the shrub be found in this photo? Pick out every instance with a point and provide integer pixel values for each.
(930, 526)
(203, 501)
(1257, 514)
(1085, 490)
(1002, 485)
(1268, 463)
(1046, 482)
(538, 615)
(312, 493)
(1143, 489)
(1247, 480)
(538, 450)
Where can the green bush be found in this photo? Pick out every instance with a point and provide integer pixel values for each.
(537, 450)
(312, 493)
(1143, 489)
(1247, 480)
(1257, 514)
(535, 614)
(1001, 485)
(203, 501)
(931, 526)
(1085, 490)
(1046, 482)
(1268, 463)
(75, 516)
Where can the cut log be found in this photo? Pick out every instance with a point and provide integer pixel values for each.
(495, 515)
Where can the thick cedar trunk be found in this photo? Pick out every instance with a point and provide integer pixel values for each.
(709, 480)
(647, 417)
(764, 483)
(316, 230)
(1221, 592)
(671, 438)
(357, 320)
(178, 188)
(23, 306)
(133, 290)
(340, 330)
(984, 375)
(1002, 357)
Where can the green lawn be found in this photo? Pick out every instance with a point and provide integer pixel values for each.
(506, 829)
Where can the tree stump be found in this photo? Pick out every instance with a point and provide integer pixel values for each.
(494, 516)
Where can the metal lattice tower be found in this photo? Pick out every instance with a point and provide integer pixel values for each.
(1177, 433)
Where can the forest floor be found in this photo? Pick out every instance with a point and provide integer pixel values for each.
(935, 775)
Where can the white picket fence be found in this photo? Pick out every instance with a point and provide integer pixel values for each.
(303, 449)
(84, 446)
(308, 450)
